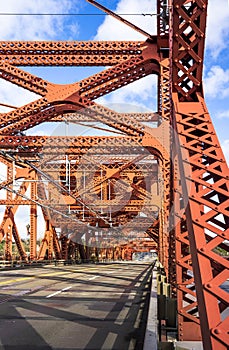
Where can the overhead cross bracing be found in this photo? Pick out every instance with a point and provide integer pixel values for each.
(160, 174)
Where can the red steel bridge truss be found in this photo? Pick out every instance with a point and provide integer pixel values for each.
(160, 181)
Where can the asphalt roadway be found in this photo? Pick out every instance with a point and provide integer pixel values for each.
(99, 307)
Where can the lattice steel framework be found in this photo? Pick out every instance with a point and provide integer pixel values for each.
(185, 206)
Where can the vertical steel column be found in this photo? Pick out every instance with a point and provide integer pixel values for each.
(9, 224)
(204, 185)
(33, 218)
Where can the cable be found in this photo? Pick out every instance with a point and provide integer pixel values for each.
(75, 14)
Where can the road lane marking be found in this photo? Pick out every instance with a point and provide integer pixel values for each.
(22, 292)
(122, 315)
(85, 268)
(58, 292)
(109, 341)
(32, 277)
(109, 272)
(15, 280)
(92, 278)
(51, 274)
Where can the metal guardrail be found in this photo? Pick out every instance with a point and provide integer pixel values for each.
(4, 264)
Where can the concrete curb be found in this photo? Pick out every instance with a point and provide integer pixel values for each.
(151, 335)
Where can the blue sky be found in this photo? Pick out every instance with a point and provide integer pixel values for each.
(141, 94)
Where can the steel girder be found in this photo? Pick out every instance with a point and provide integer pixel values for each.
(69, 53)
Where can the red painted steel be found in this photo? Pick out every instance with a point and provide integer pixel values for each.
(180, 183)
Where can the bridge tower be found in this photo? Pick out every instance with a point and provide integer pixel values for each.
(160, 175)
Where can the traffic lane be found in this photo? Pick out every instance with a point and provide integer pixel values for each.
(103, 313)
(38, 277)
(16, 284)
(51, 276)
(16, 276)
(110, 337)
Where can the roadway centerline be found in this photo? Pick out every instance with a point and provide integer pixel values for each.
(19, 279)
(32, 277)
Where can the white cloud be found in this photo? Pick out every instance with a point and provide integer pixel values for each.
(112, 29)
(225, 148)
(141, 92)
(217, 26)
(223, 114)
(32, 27)
(15, 96)
(216, 82)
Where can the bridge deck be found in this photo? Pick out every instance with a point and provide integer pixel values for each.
(75, 307)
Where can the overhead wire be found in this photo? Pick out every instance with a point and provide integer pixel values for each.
(75, 14)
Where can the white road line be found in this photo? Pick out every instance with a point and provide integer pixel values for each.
(109, 272)
(109, 341)
(22, 292)
(58, 292)
(122, 315)
(92, 278)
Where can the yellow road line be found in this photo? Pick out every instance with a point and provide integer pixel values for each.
(31, 277)
(15, 280)
(54, 274)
